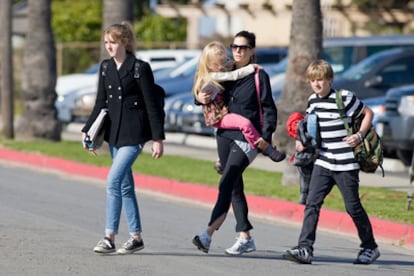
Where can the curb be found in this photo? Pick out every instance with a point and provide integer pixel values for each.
(387, 231)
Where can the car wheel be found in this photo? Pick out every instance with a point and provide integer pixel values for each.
(405, 156)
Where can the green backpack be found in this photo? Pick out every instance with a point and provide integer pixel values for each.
(369, 153)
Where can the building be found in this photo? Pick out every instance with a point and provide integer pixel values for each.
(270, 19)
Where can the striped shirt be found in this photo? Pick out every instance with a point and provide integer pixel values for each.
(335, 154)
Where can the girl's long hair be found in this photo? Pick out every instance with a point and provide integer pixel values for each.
(213, 52)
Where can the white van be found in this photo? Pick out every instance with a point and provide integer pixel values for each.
(164, 58)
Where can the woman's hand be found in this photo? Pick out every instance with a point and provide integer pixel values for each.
(157, 149)
(257, 66)
(261, 144)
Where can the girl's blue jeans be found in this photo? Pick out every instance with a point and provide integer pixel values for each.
(120, 190)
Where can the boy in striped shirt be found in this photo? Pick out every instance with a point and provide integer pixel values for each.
(335, 164)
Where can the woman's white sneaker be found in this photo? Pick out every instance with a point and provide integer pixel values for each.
(241, 246)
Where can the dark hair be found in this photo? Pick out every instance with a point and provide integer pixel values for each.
(251, 40)
(250, 37)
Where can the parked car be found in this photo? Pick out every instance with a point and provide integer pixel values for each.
(344, 52)
(377, 105)
(370, 78)
(165, 58)
(71, 88)
(182, 115)
(396, 124)
(373, 76)
(76, 91)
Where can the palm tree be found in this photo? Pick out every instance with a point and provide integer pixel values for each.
(305, 46)
(6, 74)
(38, 120)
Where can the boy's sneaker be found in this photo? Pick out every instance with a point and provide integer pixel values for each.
(104, 246)
(367, 256)
(202, 242)
(300, 255)
(130, 246)
(241, 246)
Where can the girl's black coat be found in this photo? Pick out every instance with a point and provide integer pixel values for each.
(134, 115)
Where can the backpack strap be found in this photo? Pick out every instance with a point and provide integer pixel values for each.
(341, 109)
(137, 64)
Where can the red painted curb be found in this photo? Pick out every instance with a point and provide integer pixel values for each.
(396, 233)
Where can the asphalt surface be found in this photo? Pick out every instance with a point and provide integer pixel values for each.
(50, 220)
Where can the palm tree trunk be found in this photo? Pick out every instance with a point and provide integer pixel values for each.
(6, 73)
(38, 120)
(305, 46)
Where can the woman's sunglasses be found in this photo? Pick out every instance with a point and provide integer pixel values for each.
(241, 47)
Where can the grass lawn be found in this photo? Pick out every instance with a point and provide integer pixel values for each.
(379, 202)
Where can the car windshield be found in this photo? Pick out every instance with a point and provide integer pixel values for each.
(357, 71)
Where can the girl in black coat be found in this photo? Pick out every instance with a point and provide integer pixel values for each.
(134, 117)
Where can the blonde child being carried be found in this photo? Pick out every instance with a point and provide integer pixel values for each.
(213, 68)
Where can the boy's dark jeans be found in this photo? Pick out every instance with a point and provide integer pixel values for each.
(321, 184)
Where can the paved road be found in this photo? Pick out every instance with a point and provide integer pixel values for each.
(50, 222)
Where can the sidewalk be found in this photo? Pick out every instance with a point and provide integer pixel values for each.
(385, 231)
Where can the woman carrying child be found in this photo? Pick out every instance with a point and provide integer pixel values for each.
(234, 150)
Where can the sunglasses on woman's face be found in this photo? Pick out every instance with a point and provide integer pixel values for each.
(240, 47)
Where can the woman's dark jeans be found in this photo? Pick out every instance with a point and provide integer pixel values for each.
(231, 187)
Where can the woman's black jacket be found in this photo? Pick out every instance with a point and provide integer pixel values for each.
(134, 115)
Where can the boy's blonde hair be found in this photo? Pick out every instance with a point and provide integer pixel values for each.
(319, 69)
(213, 52)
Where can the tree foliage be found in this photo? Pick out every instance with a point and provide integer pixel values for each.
(386, 4)
(383, 21)
(81, 21)
(158, 28)
(77, 20)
